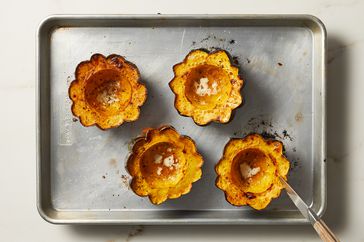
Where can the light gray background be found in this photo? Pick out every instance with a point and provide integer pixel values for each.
(19, 220)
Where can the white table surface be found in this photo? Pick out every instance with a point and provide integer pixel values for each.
(19, 219)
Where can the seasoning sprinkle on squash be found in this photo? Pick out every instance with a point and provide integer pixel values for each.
(163, 164)
(249, 171)
(206, 87)
(107, 91)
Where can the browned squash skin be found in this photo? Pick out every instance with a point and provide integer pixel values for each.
(256, 189)
(107, 91)
(206, 87)
(163, 164)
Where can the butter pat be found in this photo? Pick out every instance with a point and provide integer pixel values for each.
(202, 88)
(159, 171)
(246, 171)
(168, 161)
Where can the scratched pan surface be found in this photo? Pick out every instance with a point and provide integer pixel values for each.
(81, 171)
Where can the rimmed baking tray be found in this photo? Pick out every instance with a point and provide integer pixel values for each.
(81, 176)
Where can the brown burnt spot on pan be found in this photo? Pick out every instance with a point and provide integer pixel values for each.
(266, 123)
(286, 135)
(213, 48)
(134, 232)
(298, 117)
(74, 119)
(256, 123)
(205, 39)
(232, 41)
(113, 162)
(103, 177)
(276, 134)
(212, 37)
(295, 164)
(267, 135)
(280, 64)
(125, 181)
(235, 60)
(251, 121)
(264, 126)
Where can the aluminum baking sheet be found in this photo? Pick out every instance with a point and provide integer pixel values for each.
(81, 171)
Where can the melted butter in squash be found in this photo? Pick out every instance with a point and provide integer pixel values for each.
(163, 164)
(107, 91)
(249, 171)
(206, 87)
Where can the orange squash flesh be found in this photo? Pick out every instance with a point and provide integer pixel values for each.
(249, 171)
(163, 164)
(107, 91)
(206, 87)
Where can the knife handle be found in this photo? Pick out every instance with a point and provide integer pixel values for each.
(324, 232)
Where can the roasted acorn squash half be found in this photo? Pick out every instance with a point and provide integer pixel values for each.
(107, 91)
(163, 164)
(206, 87)
(249, 171)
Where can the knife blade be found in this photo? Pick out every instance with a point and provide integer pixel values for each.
(300, 204)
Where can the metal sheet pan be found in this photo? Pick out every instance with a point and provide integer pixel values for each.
(81, 171)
